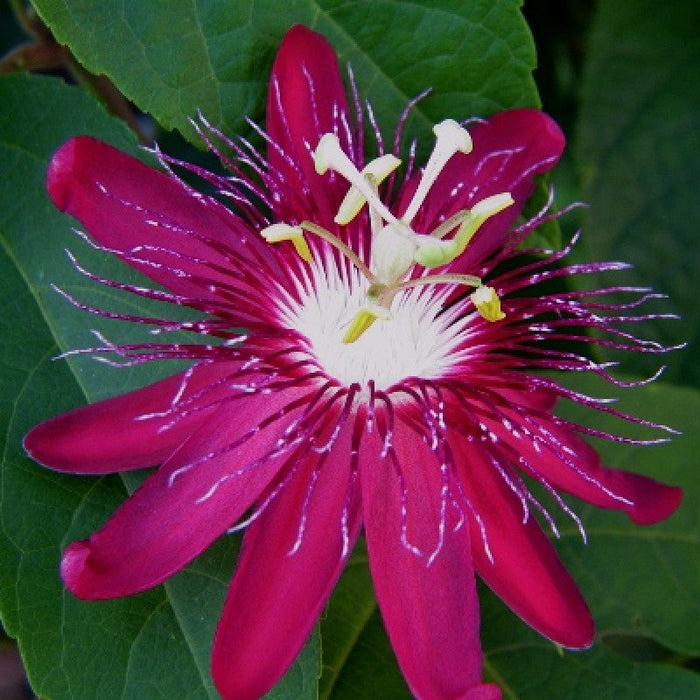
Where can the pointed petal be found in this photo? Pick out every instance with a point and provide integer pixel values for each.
(278, 592)
(196, 495)
(127, 432)
(510, 149)
(575, 467)
(526, 572)
(306, 99)
(165, 230)
(430, 610)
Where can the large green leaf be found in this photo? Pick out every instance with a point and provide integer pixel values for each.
(639, 145)
(174, 58)
(154, 645)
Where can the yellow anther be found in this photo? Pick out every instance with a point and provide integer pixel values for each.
(375, 172)
(485, 209)
(478, 214)
(364, 318)
(487, 304)
(285, 232)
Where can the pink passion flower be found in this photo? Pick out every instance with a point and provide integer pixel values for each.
(388, 379)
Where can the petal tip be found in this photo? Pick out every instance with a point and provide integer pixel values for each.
(68, 165)
(303, 35)
(39, 444)
(661, 505)
(539, 127)
(487, 691)
(60, 165)
(574, 629)
(29, 443)
(580, 639)
(577, 633)
(46, 444)
(73, 566)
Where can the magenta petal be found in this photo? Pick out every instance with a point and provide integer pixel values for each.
(510, 149)
(196, 495)
(525, 572)
(574, 466)
(538, 399)
(168, 232)
(126, 432)
(278, 592)
(306, 100)
(430, 610)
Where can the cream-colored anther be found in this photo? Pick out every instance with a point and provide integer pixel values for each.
(375, 172)
(330, 156)
(450, 138)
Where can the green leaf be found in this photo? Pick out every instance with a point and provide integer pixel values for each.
(172, 58)
(530, 669)
(153, 645)
(639, 147)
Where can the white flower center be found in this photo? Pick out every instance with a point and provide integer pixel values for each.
(418, 341)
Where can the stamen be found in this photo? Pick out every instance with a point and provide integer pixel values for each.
(375, 172)
(285, 232)
(364, 318)
(483, 210)
(488, 304)
(450, 138)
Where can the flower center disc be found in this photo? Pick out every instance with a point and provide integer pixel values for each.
(418, 341)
